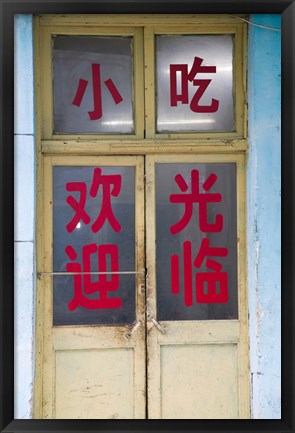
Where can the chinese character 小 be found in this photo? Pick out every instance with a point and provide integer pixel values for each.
(96, 90)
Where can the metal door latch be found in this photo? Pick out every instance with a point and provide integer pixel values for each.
(157, 324)
(133, 329)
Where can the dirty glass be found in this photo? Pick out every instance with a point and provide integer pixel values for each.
(196, 241)
(93, 231)
(93, 79)
(194, 83)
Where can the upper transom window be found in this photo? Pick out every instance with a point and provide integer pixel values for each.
(148, 81)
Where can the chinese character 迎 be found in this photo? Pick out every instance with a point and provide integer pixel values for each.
(83, 280)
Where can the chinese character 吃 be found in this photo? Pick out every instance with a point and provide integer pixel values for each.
(189, 76)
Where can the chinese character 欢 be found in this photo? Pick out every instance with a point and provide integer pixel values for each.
(111, 186)
(78, 206)
(96, 90)
(187, 76)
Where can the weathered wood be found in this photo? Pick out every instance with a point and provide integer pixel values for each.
(144, 147)
(116, 361)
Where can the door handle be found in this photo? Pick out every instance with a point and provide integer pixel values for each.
(133, 329)
(157, 324)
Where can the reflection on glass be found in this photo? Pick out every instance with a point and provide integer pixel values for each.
(194, 83)
(196, 241)
(94, 231)
(93, 79)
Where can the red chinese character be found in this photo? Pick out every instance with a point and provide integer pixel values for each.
(211, 278)
(111, 186)
(106, 212)
(84, 284)
(187, 273)
(196, 197)
(78, 206)
(211, 295)
(96, 88)
(187, 76)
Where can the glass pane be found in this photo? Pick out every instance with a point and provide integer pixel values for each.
(94, 231)
(196, 230)
(195, 83)
(93, 84)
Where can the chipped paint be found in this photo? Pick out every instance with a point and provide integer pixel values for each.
(263, 220)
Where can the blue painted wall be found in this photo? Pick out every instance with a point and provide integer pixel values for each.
(263, 217)
(264, 221)
(24, 222)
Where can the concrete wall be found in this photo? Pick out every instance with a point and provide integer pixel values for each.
(264, 223)
(263, 182)
(24, 223)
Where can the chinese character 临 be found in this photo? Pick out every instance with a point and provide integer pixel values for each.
(211, 287)
(87, 284)
(189, 76)
(96, 90)
(111, 187)
(195, 196)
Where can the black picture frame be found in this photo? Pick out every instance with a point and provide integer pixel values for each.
(7, 10)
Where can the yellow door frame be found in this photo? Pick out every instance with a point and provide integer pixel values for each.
(145, 141)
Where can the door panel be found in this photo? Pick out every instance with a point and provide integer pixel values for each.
(197, 368)
(208, 391)
(94, 383)
(197, 363)
(93, 368)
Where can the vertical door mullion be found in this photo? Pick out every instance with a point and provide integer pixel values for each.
(153, 348)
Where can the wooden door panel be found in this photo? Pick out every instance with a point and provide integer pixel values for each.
(197, 369)
(96, 383)
(94, 371)
(199, 381)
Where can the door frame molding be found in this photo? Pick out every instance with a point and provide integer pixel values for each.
(78, 146)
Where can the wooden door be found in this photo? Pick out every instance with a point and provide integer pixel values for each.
(94, 358)
(196, 352)
(197, 345)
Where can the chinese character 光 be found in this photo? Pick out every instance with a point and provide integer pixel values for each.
(84, 283)
(96, 90)
(111, 186)
(188, 199)
(187, 76)
(206, 282)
